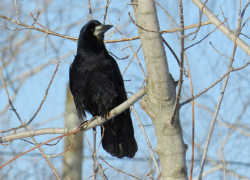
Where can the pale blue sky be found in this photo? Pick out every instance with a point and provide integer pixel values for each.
(206, 67)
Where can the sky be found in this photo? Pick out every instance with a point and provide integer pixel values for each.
(205, 63)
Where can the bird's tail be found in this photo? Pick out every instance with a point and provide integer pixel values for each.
(118, 138)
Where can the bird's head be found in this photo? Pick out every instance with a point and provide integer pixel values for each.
(91, 37)
(94, 30)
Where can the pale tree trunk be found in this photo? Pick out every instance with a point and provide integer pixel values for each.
(161, 94)
(72, 164)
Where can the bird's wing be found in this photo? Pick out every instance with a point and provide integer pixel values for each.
(120, 83)
(70, 81)
(118, 137)
(75, 88)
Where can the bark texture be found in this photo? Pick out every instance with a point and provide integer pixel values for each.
(161, 93)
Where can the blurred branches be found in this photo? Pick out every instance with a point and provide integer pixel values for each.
(29, 53)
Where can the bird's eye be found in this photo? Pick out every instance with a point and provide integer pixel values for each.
(92, 29)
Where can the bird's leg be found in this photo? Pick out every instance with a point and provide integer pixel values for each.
(84, 124)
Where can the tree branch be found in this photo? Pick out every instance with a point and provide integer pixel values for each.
(223, 28)
(107, 41)
(95, 121)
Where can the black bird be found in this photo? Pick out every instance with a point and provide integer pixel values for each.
(97, 87)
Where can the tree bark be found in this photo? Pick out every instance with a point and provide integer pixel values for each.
(160, 89)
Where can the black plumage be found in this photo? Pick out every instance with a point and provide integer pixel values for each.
(97, 87)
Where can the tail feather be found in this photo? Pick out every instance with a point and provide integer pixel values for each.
(118, 139)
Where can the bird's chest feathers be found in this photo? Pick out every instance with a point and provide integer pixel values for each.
(97, 63)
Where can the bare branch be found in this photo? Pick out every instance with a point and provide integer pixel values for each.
(178, 95)
(95, 121)
(205, 36)
(216, 82)
(117, 169)
(223, 28)
(147, 140)
(23, 124)
(38, 29)
(220, 98)
(223, 158)
(107, 41)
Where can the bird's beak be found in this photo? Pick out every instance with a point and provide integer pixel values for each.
(101, 29)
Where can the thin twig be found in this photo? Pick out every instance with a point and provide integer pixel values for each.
(131, 60)
(12, 99)
(173, 30)
(205, 36)
(94, 154)
(193, 122)
(170, 17)
(37, 69)
(40, 149)
(133, 21)
(38, 29)
(46, 93)
(117, 169)
(116, 27)
(133, 52)
(172, 51)
(95, 121)
(234, 126)
(94, 159)
(224, 29)
(101, 139)
(197, 30)
(224, 16)
(39, 145)
(223, 158)
(45, 144)
(147, 140)
(106, 10)
(245, 23)
(245, 35)
(221, 96)
(29, 73)
(16, 28)
(123, 48)
(35, 19)
(118, 57)
(39, 108)
(107, 41)
(17, 11)
(90, 10)
(216, 82)
(158, 177)
(178, 95)
(218, 51)
(96, 173)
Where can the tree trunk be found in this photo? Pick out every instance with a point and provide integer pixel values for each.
(161, 95)
(72, 159)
